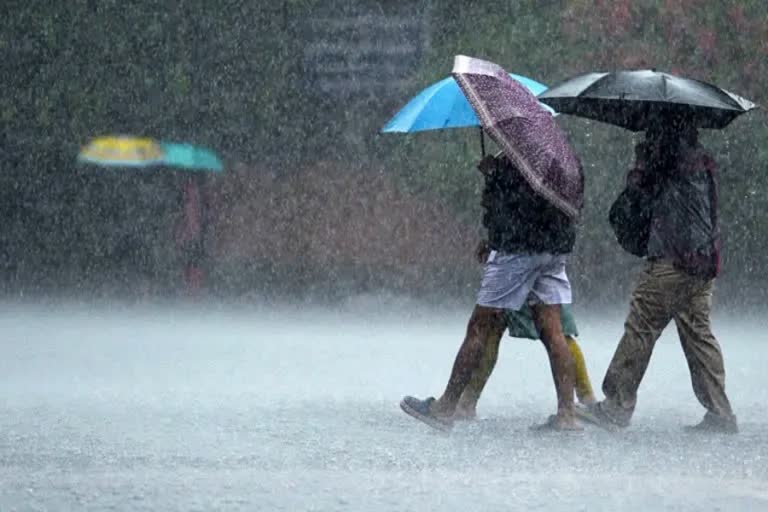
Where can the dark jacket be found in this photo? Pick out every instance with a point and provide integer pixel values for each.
(521, 221)
(684, 227)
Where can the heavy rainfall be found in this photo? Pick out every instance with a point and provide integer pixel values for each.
(243, 245)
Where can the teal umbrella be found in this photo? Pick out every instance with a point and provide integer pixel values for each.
(187, 156)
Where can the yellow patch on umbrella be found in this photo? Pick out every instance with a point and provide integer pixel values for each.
(123, 150)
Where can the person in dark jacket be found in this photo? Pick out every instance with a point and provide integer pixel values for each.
(682, 263)
(530, 240)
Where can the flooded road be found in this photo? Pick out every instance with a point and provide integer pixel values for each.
(114, 408)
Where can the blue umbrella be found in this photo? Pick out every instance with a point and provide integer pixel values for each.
(443, 105)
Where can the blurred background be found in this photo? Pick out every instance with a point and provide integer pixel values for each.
(315, 203)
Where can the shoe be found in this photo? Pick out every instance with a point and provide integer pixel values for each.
(422, 411)
(713, 424)
(596, 415)
(555, 424)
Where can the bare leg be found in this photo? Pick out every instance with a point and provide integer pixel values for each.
(485, 324)
(466, 409)
(548, 321)
(467, 406)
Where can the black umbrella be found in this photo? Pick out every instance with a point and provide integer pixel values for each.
(633, 99)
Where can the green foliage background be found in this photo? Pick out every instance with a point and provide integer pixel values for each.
(231, 75)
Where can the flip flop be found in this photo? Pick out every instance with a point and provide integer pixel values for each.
(421, 410)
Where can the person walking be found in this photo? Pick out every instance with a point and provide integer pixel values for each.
(676, 176)
(530, 240)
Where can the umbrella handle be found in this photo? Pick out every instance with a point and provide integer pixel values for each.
(482, 141)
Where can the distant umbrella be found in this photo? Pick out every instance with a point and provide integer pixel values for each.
(187, 156)
(634, 99)
(122, 151)
(528, 135)
(127, 151)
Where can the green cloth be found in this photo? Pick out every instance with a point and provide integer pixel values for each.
(520, 323)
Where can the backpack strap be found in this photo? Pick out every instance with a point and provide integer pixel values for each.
(713, 207)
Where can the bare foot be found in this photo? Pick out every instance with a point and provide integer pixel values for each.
(559, 423)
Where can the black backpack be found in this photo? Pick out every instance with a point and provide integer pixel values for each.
(630, 219)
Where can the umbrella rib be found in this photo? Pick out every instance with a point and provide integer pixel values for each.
(427, 98)
(593, 85)
(416, 114)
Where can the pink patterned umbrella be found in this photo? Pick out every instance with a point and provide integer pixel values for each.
(526, 132)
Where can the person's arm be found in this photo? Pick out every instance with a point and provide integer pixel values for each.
(483, 251)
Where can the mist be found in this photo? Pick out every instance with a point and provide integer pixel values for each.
(251, 354)
(295, 407)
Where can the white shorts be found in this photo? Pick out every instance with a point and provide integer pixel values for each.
(512, 280)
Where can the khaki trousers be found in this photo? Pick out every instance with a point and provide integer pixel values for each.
(665, 293)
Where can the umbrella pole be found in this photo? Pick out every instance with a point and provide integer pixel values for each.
(203, 229)
(482, 141)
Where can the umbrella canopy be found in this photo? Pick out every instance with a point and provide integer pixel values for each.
(443, 105)
(122, 151)
(187, 156)
(634, 99)
(127, 151)
(527, 134)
